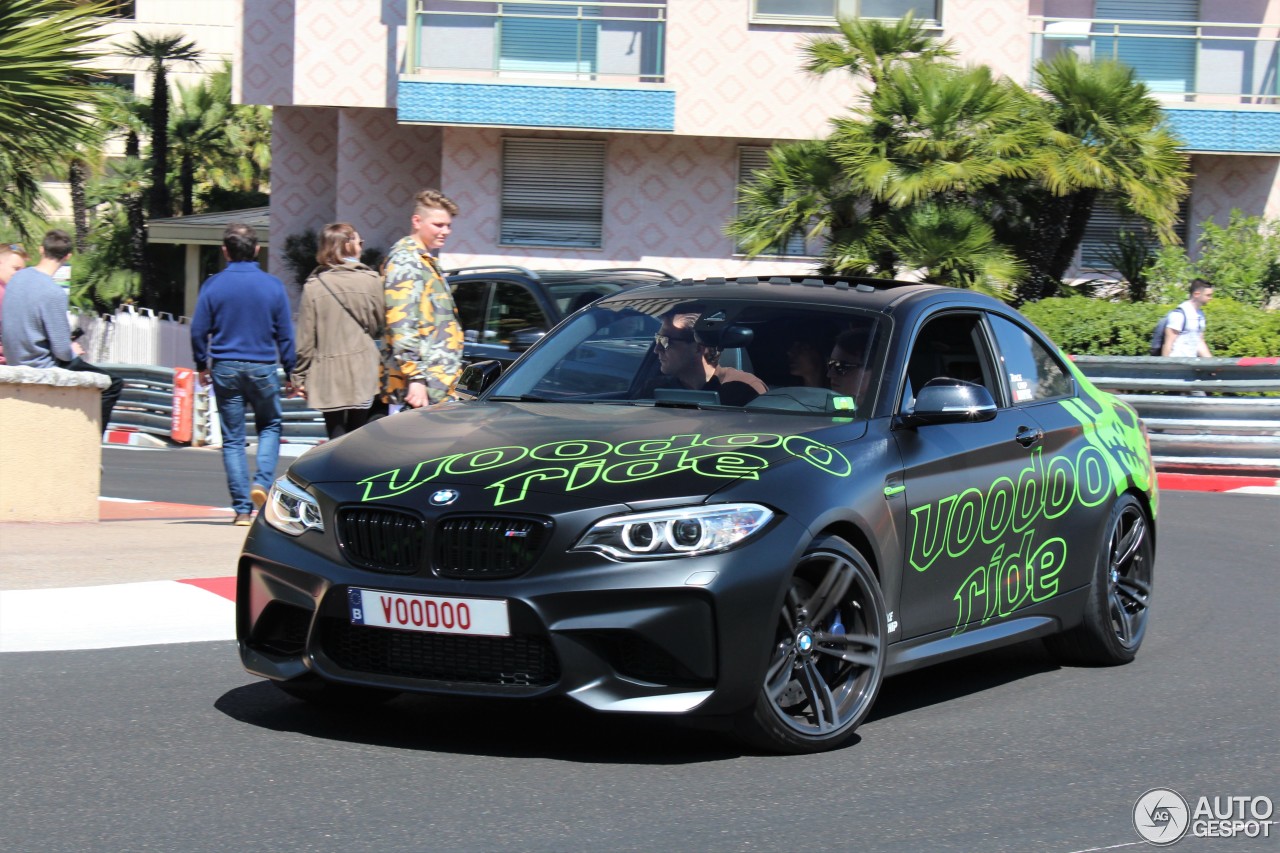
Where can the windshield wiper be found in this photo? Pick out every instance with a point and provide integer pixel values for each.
(523, 398)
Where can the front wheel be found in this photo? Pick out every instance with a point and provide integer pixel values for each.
(828, 654)
(1119, 603)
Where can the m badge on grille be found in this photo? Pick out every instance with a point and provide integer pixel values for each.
(443, 497)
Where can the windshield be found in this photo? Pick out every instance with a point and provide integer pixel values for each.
(711, 353)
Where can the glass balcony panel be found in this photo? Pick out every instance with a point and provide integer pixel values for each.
(614, 42)
(1201, 62)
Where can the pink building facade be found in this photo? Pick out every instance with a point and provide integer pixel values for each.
(678, 97)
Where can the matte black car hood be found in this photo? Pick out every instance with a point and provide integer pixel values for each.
(520, 453)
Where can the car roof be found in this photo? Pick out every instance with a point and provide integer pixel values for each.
(619, 275)
(868, 293)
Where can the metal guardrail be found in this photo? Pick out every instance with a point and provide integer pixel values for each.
(1191, 425)
(146, 405)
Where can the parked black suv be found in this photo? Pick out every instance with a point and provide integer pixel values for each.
(504, 310)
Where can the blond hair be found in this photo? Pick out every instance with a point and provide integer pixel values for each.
(434, 200)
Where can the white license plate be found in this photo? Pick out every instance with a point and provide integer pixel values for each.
(486, 617)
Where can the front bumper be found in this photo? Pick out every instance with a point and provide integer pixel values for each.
(664, 636)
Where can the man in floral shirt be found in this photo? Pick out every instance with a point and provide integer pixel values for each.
(424, 340)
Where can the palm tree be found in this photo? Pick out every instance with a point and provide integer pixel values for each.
(197, 128)
(1109, 142)
(45, 98)
(804, 188)
(160, 52)
(872, 48)
(935, 136)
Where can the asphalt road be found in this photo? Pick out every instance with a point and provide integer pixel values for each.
(176, 748)
(181, 475)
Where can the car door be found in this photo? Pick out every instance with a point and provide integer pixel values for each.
(1075, 498)
(500, 319)
(977, 547)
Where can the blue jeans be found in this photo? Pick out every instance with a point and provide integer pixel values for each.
(237, 384)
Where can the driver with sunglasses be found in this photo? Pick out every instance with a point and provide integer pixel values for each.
(685, 363)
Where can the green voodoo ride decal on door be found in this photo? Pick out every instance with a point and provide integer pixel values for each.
(578, 463)
(1012, 569)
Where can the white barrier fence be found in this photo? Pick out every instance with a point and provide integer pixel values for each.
(137, 336)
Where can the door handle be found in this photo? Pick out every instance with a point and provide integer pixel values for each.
(1029, 436)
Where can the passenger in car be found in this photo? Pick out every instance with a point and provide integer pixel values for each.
(847, 368)
(687, 364)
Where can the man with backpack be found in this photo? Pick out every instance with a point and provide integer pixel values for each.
(1184, 326)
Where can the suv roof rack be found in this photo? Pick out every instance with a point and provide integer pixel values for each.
(839, 282)
(494, 268)
(632, 269)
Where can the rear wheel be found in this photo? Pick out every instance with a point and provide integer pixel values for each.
(1119, 602)
(828, 654)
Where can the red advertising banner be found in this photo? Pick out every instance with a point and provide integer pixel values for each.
(184, 396)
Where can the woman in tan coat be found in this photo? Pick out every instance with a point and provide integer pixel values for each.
(340, 323)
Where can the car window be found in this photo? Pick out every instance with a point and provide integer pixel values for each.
(513, 308)
(571, 297)
(609, 354)
(470, 299)
(949, 346)
(1034, 373)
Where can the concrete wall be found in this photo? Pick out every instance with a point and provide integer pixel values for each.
(50, 444)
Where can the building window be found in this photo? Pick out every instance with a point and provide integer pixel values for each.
(752, 159)
(826, 11)
(552, 193)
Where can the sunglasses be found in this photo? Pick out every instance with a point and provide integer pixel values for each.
(840, 368)
(16, 247)
(665, 341)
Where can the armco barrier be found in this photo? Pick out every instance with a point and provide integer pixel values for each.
(146, 405)
(1192, 426)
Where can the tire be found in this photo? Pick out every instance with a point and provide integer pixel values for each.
(335, 697)
(1119, 602)
(827, 663)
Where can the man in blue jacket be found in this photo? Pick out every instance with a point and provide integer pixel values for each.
(241, 328)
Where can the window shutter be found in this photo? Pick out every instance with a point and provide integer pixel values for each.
(539, 37)
(552, 192)
(1105, 226)
(1164, 64)
(751, 160)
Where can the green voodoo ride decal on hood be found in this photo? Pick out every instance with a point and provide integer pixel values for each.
(1012, 568)
(578, 463)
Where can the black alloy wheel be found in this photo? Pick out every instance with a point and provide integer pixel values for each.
(1119, 604)
(828, 655)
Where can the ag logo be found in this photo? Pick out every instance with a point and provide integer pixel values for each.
(1161, 816)
(444, 497)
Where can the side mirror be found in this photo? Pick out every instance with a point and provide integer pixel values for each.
(476, 377)
(950, 401)
(522, 339)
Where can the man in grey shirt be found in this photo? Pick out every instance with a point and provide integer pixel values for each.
(35, 328)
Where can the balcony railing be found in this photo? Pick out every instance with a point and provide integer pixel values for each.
(546, 39)
(1194, 61)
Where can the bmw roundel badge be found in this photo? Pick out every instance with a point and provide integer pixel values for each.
(443, 497)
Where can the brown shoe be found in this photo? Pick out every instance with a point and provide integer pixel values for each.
(258, 495)
(243, 519)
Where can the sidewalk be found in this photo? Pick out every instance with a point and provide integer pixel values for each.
(134, 541)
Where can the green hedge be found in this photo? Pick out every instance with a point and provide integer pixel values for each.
(1083, 326)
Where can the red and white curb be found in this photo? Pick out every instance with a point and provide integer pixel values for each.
(129, 614)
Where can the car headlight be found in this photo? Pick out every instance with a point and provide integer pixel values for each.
(684, 532)
(291, 509)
